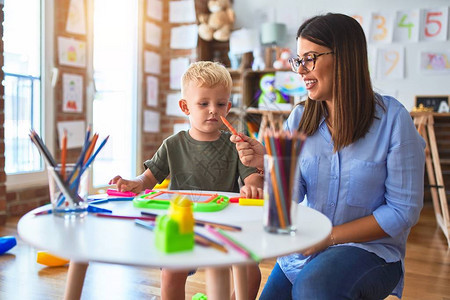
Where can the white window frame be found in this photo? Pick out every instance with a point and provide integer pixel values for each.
(26, 180)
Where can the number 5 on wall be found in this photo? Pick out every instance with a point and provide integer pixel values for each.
(435, 24)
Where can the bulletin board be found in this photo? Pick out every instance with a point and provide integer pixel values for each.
(433, 101)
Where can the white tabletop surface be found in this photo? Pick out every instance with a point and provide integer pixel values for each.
(121, 241)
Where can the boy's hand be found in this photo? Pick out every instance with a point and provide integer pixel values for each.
(251, 192)
(124, 185)
(251, 152)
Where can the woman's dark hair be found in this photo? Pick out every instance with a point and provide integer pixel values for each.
(353, 97)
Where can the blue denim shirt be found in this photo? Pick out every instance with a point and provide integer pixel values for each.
(381, 174)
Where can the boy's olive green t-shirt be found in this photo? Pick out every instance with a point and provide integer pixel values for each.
(199, 165)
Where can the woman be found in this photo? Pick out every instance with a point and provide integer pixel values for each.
(362, 166)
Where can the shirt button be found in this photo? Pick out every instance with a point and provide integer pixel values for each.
(332, 204)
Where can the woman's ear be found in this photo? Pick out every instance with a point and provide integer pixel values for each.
(184, 107)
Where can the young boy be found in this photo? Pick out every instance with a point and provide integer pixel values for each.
(202, 158)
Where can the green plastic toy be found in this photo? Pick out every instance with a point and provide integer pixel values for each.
(199, 296)
(174, 232)
(201, 202)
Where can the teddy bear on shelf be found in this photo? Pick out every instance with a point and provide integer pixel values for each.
(217, 24)
(283, 60)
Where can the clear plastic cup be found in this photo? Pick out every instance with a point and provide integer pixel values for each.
(280, 194)
(64, 204)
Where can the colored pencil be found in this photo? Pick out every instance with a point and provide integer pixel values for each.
(275, 185)
(123, 217)
(232, 243)
(44, 150)
(209, 242)
(225, 121)
(64, 155)
(203, 223)
(91, 148)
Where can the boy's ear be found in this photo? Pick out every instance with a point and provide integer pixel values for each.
(184, 107)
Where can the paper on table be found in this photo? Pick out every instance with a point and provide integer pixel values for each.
(152, 34)
(151, 121)
(76, 21)
(152, 62)
(75, 133)
(177, 67)
(184, 37)
(72, 93)
(152, 91)
(182, 11)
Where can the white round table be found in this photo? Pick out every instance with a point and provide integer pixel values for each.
(121, 241)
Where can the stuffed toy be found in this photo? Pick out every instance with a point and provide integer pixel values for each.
(217, 24)
(258, 60)
(282, 61)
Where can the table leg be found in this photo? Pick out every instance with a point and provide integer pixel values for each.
(240, 281)
(75, 280)
(217, 283)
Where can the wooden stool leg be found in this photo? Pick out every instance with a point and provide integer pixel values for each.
(75, 280)
(240, 281)
(217, 283)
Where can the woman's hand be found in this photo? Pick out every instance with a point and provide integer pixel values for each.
(319, 247)
(251, 152)
(124, 185)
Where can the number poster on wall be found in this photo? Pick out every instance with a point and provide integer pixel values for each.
(404, 26)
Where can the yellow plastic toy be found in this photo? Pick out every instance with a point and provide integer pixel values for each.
(50, 260)
(163, 185)
(175, 231)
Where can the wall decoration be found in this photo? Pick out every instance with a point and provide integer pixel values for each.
(435, 62)
(72, 93)
(152, 34)
(184, 37)
(435, 24)
(71, 52)
(76, 21)
(177, 67)
(390, 62)
(381, 27)
(152, 62)
(406, 27)
(182, 11)
(152, 91)
(151, 121)
(154, 9)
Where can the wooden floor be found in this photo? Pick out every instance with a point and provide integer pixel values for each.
(427, 271)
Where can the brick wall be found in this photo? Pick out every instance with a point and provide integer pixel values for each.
(152, 141)
(2, 130)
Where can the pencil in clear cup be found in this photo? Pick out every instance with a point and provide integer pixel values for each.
(281, 174)
(65, 205)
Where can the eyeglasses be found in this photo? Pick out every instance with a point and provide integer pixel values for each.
(308, 61)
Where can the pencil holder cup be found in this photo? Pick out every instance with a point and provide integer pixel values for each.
(68, 191)
(280, 196)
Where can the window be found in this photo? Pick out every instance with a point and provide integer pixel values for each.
(24, 89)
(115, 100)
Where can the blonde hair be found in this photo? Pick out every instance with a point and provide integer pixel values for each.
(206, 74)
